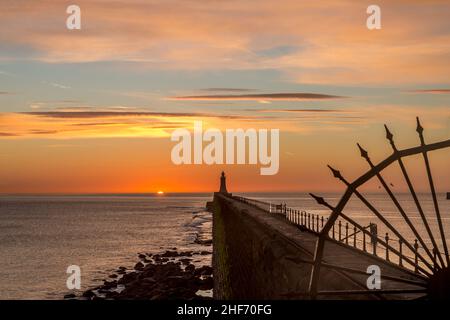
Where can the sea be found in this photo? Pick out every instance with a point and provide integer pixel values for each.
(42, 235)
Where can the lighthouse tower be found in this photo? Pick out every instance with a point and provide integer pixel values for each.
(223, 184)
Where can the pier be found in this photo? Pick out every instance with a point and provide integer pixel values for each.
(266, 255)
(270, 251)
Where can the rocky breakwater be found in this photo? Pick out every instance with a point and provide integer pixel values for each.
(165, 276)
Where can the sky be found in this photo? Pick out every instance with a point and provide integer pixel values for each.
(93, 110)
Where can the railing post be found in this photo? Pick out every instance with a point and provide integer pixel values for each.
(346, 233)
(312, 222)
(322, 222)
(387, 246)
(317, 223)
(309, 220)
(354, 236)
(400, 250)
(416, 250)
(340, 227)
(374, 237)
(334, 236)
(364, 240)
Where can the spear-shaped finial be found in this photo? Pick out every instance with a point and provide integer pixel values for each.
(336, 173)
(321, 201)
(363, 152)
(389, 134)
(419, 130)
(390, 137)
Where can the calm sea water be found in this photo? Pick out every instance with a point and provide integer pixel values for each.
(40, 236)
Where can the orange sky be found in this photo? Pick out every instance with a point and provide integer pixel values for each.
(93, 110)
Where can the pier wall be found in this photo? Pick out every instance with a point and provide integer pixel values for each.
(250, 259)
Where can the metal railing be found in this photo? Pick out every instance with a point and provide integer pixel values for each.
(347, 232)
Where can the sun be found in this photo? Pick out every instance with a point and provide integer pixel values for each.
(160, 192)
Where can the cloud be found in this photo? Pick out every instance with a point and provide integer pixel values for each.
(305, 41)
(152, 124)
(122, 114)
(227, 90)
(300, 110)
(4, 93)
(260, 97)
(57, 85)
(431, 91)
(7, 134)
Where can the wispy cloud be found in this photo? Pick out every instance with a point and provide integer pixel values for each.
(58, 85)
(227, 90)
(7, 134)
(260, 97)
(300, 110)
(431, 91)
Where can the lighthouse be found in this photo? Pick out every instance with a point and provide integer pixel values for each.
(223, 184)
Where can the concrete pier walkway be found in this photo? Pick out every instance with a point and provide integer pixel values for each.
(262, 255)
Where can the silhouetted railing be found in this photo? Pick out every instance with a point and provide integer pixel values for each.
(306, 220)
(347, 232)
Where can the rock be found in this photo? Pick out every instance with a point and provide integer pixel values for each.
(109, 284)
(185, 261)
(142, 256)
(204, 253)
(88, 294)
(204, 271)
(190, 268)
(206, 284)
(113, 276)
(129, 277)
(149, 280)
(70, 296)
(170, 254)
(139, 266)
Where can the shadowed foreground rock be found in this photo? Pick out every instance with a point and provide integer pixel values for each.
(156, 277)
